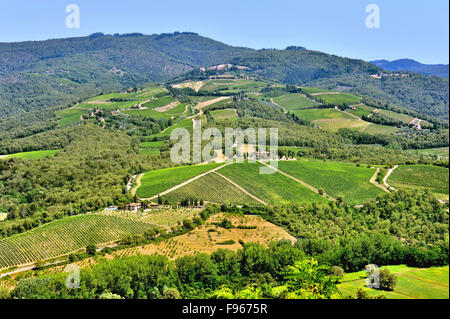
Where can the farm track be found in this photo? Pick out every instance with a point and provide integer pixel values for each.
(201, 105)
(242, 189)
(387, 176)
(310, 187)
(324, 93)
(350, 114)
(138, 183)
(373, 180)
(282, 107)
(185, 183)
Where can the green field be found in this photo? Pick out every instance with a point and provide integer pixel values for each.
(32, 154)
(321, 114)
(64, 236)
(231, 85)
(185, 123)
(212, 188)
(69, 116)
(294, 101)
(224, 114)
(406, 119)
(357, 125)
(433, 178)
(338, 99)
(412, 283)
(159, 102)
(308, 90)
(179, 109)
(361, 110)
(348, 180)
(440, 152)
(273, 188)
(155, 182)
(149, 113)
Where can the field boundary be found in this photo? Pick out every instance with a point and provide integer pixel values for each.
(310, 187)
(242, 189)
(373, 180)
(185, 183)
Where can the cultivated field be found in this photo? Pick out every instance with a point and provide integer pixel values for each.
(69, 116)
(209, 237)
(412, 283)
(338, 99)
(272, 188)
(361, 110)
(347, 180)
(321, 114)
(32, 154)
(65, 236)
(295, 101)
(155, 182)
(224, 114)
(212, 188)
(421, 177)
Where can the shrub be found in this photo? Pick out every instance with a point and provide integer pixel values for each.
(388, 281)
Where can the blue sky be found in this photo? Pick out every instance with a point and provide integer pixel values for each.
(408, 29)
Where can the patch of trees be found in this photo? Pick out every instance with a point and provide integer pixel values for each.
(280, 271)
(400, 228)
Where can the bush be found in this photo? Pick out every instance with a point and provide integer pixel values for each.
(338, 272)
(388, 281)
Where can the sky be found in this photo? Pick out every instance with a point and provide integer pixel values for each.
(407, 28)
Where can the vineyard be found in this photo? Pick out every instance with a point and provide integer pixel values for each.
(273, 188)
(347, 180)
(212, 188)
(155, 182)
(65, 236)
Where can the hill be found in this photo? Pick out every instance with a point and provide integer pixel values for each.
(440, 70)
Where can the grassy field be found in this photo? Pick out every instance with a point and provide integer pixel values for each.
(321, 114)
(357, 125)
(308, 90)
(224, 114)
(412, 283)
(406, 119)
(149, 113)
(209, 237)
(338, 99)
(185, 123)
(212, 188)
(348, 180)
(231, 85)
(440, 152)
(32, 154)
(433, 178)
(294, 101)
(69, 116)
(155, 182)
(361, 110)
(273, 188)
(64, 236)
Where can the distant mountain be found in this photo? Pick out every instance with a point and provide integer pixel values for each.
(440, 70)
(36, 75)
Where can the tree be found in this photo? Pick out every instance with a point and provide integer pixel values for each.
(338, 272)
(91, 249)
(388, 281)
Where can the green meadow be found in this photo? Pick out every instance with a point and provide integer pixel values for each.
(32, 154)
(321, 114)
(433, 178)
(295, 101)
(412, 283)
(338, 99)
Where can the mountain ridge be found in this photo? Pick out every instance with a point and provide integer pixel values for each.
(441, 70)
